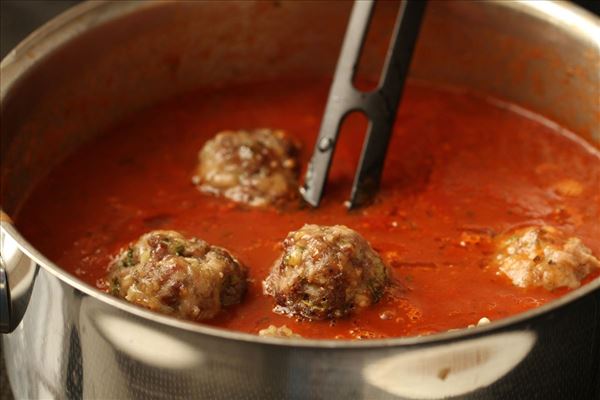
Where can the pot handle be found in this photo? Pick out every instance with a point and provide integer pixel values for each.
(17, 274)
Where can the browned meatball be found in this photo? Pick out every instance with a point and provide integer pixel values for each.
(187, 278)
(326, 272)
(257, 167)
(544, 257)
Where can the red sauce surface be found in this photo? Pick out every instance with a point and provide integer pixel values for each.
(458, 165)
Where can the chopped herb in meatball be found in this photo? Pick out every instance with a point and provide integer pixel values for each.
(326, 272)
(258, 167)
(187, 278)
(544, 257)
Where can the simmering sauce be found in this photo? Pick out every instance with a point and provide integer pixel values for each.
(460, 170)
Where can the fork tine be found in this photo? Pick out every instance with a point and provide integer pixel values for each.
(379, 106)
(343, 98)
(382, 105)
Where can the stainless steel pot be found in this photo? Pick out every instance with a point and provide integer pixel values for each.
(100, 60)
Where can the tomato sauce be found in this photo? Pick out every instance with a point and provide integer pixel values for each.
(460, 169)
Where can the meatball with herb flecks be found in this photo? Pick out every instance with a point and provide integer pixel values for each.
(544, 257)
(187, 278)
(257, 167)
(326, 272)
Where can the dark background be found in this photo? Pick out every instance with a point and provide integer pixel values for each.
(18, 18)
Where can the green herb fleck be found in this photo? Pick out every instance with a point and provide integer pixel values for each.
(128, 261)
(375, 289)
(115, 287)
(180, 250)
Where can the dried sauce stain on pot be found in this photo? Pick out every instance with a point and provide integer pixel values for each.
(460, 170)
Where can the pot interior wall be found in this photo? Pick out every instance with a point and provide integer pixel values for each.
(109, 59)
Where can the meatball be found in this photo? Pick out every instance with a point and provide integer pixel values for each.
(258, 167)
(544, 257)
(278, 332)
(326, 272)
(186, 278)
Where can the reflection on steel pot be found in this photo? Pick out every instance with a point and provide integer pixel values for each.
(105, 59)
(14, 293)
(452, 369)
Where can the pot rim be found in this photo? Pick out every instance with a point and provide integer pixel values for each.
(88, 15)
